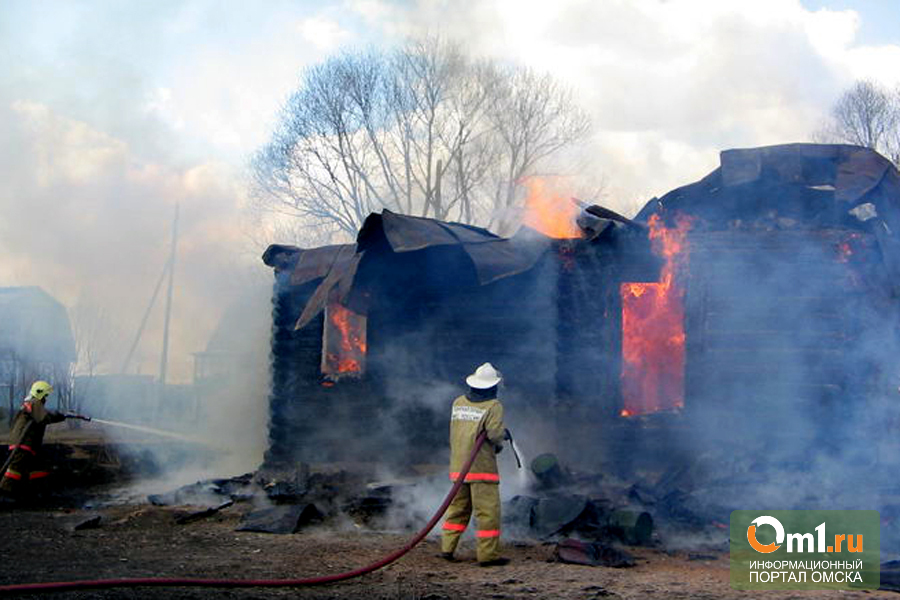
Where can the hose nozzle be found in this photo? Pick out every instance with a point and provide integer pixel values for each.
(512, 446)
(77, 416)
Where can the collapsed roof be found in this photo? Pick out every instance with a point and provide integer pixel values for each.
(796, 186)
(799, 185)
(488, 256)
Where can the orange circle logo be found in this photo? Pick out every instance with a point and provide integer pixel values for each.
(765, 548)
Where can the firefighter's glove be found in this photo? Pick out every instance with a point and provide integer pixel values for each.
(507, 435)
(498, 448)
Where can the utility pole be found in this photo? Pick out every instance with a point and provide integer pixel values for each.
(163, 363)
(140, 331)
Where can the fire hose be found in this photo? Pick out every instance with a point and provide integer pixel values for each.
(59, 586)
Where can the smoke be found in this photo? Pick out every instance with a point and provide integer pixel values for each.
(668, 83)
(105, 135)
(790, 400)
(92, 225)
(94, 163)
(394, 422)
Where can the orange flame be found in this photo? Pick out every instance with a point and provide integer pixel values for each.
(845, 249)
(549, 211)
(653, 328)
(345, 341)
(844, 252)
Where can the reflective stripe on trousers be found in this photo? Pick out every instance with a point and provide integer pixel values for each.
(487, 533)
(474, 477)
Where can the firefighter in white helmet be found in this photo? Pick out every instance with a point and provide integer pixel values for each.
(476, 411)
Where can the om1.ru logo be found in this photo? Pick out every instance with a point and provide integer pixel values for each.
(796, 540)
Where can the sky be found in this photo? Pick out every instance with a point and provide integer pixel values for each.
(112, 113)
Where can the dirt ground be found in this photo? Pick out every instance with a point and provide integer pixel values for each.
(145, 541)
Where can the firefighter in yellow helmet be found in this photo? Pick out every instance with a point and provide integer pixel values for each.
(476, 411)
(26, 438)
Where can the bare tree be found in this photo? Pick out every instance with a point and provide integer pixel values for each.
(534, 118)
(867, 115)
(95, 337)
(425, 130)
(319, 161)
(437, 101)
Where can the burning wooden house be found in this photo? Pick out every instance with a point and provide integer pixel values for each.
(789, 294)
(732, 308)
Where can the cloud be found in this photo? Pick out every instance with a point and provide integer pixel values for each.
(324, 34)
(698, 76)
(65, 151)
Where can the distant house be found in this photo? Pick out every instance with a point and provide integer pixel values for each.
(233, 369)
(232, 349)
(36, 342)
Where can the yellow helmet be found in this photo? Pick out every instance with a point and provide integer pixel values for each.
(40, 390)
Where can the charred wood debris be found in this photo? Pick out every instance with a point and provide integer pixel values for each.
(589, 518)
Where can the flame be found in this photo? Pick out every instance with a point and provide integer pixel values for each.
(653, 328)
(549, 211)
(845, 249)
(844, 252)
(345, 341)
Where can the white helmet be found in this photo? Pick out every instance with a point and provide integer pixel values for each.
(484, 377)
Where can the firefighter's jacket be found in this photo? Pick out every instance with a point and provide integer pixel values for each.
(467, 420)
(29, 425)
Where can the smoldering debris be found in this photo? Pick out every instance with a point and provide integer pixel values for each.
(283, 500)
(599, 510)
(288, 518)
(196, 515)
(82, 522)
(208, 492)
(592, 554)
(564, 513)
(592, 519)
